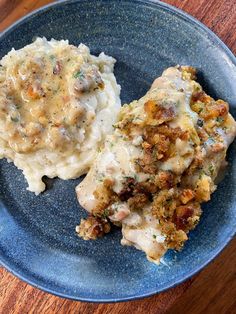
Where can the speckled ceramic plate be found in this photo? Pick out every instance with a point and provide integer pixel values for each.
(37, 238)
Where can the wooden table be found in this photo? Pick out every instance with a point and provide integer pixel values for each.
(214, 289)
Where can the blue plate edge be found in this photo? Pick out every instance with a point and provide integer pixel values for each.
(185, 16)
(125, 299)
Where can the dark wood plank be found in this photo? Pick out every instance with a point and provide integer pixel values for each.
(18, 297)
(214, 290)
(12, 10)
(218, 15)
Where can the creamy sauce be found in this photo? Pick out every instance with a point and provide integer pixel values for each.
(115, 162)
(48, 99)
(143, 232)
(57, 103)
(120, 211)
(180, 93)
(184, 157)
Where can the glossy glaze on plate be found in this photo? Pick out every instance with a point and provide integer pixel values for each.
(37, 237)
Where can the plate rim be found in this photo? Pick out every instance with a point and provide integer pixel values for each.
(215, 39)
(182, 14)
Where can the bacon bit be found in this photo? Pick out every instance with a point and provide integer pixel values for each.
(121, 213)
(182, 214)
(187, 195)
(165, 114)
(128, 189)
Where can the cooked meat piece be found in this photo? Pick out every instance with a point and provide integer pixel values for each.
(163, 159)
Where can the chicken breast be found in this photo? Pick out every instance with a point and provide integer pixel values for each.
(158, 166)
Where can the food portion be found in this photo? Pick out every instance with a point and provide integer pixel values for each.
(57, 103)
(158, 166)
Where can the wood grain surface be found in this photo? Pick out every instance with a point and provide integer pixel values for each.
(214, 289)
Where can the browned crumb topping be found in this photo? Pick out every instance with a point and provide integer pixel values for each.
(93, 228)
(106, 196)
(175, 199)
(157, 114)
(188, 72)
(158, 145)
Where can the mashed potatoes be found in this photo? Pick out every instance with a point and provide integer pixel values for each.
(57, 103)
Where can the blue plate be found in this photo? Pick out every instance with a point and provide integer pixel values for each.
(37, 238)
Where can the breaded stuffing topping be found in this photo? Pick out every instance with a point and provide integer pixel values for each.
(160, 163)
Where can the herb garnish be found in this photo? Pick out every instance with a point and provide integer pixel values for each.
(79, 74)
(219, 119)
(105, 214)
(211, 169)
(14, 119)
